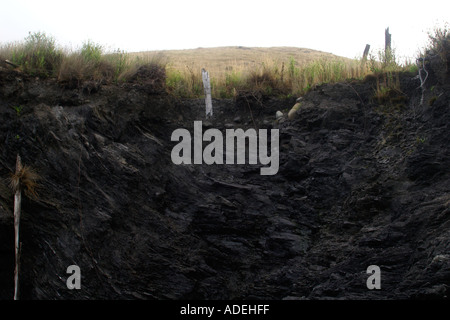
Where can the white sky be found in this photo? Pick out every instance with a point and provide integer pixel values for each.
(340, 27)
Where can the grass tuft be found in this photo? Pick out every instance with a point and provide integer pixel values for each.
(25, 180)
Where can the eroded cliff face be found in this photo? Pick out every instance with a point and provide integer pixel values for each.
(359, 183)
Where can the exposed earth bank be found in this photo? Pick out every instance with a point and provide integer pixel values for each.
(361, 182)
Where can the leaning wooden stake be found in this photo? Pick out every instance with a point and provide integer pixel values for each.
(366, 53)
(17, 205)
(364, 57)
(23, 179)
(12, 64)
(207, 87)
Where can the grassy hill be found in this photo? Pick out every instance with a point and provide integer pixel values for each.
(287, 70)
(226, 58)
(280, 71)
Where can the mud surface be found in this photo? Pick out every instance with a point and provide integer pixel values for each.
(360, 183)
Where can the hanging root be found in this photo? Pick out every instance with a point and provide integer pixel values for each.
(422, 80)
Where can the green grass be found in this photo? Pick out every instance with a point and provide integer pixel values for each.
(271, 71)
(37, 55)
(281, 71)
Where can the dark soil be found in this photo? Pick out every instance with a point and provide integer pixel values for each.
(359, 184)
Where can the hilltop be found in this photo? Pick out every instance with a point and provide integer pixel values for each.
(234, 57)
(282, 70)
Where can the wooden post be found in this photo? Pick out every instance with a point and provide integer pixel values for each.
(387, 40)
(364, 58)
(207, 87)
(366, 53)
(387, 47)
(17, 205)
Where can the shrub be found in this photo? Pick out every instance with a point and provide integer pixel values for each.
(91, 52)
(38, 55)
(439, 43)
(120, 62)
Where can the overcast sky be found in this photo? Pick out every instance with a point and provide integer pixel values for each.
(340, 27)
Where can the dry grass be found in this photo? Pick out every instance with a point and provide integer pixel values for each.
(276, 70)
(284, 71)
(25, 180)
(75, 69)
(233, 70)
(218, 60)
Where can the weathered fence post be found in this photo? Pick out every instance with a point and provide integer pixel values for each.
(17, 205)
(364, 57)
(366, 53)
(387, 40)
(387, 47)
(23, 179)
(207, 87)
